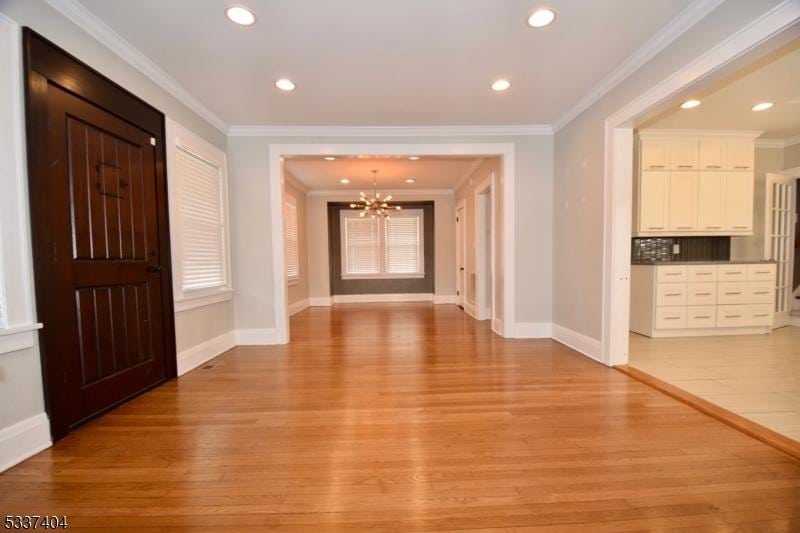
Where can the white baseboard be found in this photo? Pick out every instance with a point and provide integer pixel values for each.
(445, 299)
(470, 310)
(533, 330)
(24, 439)
(379, 298)
(587, 346)
(298, 306)
(320, 301)
(497, 326)
(256, 337)
(203, 352)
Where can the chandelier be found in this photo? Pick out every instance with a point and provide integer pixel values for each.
(375, 206)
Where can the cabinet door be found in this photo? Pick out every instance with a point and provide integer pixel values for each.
(739, 201)
(653, 201)
(711, 201)
(655, 154)
(683, 154)
(712, 154)
(682, 201)
(741, 154)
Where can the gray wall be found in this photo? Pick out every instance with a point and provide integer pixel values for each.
(791, 156)
(579, 168)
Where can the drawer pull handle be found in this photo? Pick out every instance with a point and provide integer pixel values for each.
(656, 227)
(672, 318)
(656, 166)
(741, 227)
(763, 272)
(685, 166)
(760, 316)
(713, 227)
(684, 227)
(673, 294)
(734, 273)
(713, 166)
(761, 292)
(674, 273)
(702, 294)
(704, 316)
(733, 316)
(702, 273)
(748, 166)
(732, 293)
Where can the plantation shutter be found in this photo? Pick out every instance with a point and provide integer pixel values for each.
(202, 222)
(403, 248)
(361, 246)
(292, 255)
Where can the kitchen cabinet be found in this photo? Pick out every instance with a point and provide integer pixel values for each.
(682, 154)
(682, 201)
(739, 201)
(711, 201)
(712, 154)
(654, 200)
(655, 154)
(740, 155)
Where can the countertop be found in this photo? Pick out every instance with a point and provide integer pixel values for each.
(732, 262)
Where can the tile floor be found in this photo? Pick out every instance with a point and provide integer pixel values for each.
(755, 376)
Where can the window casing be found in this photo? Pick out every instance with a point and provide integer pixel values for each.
(292, 238)
(382, 248)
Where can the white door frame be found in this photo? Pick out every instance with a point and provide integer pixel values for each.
(276, 152)
(618, 168)
(461, 253)
(788, 214)
(484, 310)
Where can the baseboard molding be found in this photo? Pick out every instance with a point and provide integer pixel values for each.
(380, 298)
(445, 299)
(24, 439)
(298, 306)
(470, 310)
(256, 337)
(533, 330)
(579, 342)
(497, 326)
(320, 301)
(204, 352)
(794, 321)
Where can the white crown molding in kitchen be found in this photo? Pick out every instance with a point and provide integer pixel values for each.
(389, 131)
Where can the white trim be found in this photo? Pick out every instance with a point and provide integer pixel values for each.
(298, 306)
(471, 169)
(485, 310)
(770, 143)
(98, 29)
(587, 346)
(197, 355)
(618, 169)
(497, 326)
(470, 310)
(389, 131)
(257, 337)
(320, 301)
(505, 150)
(18, 338)
(461, 245)
(193, 302)
(393, 192)
(736, 134)
(440, 299)
(791, 141)
(533, 330)
(380, 298)
(24, 439)
(679, 25)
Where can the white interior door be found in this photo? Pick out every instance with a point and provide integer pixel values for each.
(779, 239)
(461, 267)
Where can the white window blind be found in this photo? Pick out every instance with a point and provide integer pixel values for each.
(402, 243)
(292, 252)
(202, 222)
(361, 246)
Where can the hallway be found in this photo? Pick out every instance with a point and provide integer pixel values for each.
(406, 417)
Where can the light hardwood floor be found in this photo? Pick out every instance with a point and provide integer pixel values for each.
(408, 417)
(755, 376)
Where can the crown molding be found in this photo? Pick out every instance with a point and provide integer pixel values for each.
(98, 29)
(679, 25)
(740, 134)
(389, 131)
(393, 192)
(770, 143)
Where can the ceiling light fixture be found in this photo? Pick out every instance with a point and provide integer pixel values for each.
(374, 207)
(285, 85)
(414, 157)
(411, 180)
(689, 104)
(344, 180)
(330, 158)
(240, 15)
(762, 106)
(501, 85)
(541, 18)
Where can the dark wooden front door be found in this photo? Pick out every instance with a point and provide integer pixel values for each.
(98, 213)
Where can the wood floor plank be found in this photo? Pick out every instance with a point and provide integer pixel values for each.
(407, 417)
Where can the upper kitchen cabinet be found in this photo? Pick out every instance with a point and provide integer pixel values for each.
(682, 154)
(741, 154)
(655, 154)
(712, 154)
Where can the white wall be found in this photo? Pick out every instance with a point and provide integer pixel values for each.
(579, 169)
(249, 175)
(791, 156)
(21, 394)
(299, 291)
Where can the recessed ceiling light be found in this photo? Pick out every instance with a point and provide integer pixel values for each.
(410, 180)
(762, 106)
(240, 15)
(285, 85)
(330, 158)
(501, 85)
(414, 157)
(541, 18)
(689, 104)
(344, 180)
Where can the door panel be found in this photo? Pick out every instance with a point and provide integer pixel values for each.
(682, 201)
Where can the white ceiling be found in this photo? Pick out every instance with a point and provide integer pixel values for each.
(438, 172)
(775, 78)
(387, 62)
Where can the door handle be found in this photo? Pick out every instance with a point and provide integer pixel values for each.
(461, 268)
(154, 269)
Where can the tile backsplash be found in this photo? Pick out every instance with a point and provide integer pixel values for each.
(691, 249)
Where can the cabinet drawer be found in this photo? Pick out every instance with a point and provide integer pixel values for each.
(732, 293)
(671, 274)
(765, 272)
(732, 273)
(671, 294)
(759, 315)
(701, 316)
(698, 273)
(702, 294)
(670, 317)
(732, 316)
(761, 292)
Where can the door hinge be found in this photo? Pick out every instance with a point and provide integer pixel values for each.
(152, 141)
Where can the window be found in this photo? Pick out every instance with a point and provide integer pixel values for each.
(290, 224)
(199, 206)
(382, 247)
